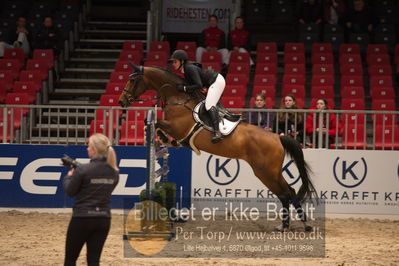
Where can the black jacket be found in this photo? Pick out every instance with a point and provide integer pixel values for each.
(196, 78)
(92, 185)
(47, 38)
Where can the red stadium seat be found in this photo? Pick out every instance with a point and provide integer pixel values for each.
(378, 59)
(236, 57)
(377, 49)
(11, 64)
(352, 81)
(294, 79)
(214, 57)
(266, 68)
(322, 48)
(7, 77)
(32, 75)
(382, 93)
(352, 104)
(322, 91)
(351, 70)
(380, 70)
(353, 137)
(387, 137)
(268, 91)
(45, 54)
(266, 47)
(322, 80)
(15, 53)
(265, 80)
(99, 126)
(349, 48)
(104, 115)
(28, 87)
(381, 81)
(115, 88)
(109, 100)
(40, 65)
(160, 46)
(294, 69)
(133, 46)
(189, 47)
(383, 104)
(297, 90)
(157, 56)
(233, 102)
(18, 99)
(350, 59)
(157, 63)
(119, 76)
(266, 58)
(239, 68)
(132, 133)
(294, 47)
(215, 66)
(294, 58)
(123, 66)
(234, 91)
(323, 69)
(322, 58)
(140, 115)
(352, 92)
(133, 56)
(237, 79)
(144, 102)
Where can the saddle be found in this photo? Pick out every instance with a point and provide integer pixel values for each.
(228, 121)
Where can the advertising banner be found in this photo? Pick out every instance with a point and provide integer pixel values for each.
(192, 16)
(31, 175)
(350, 181)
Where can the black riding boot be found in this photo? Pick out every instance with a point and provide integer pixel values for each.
(217, 136)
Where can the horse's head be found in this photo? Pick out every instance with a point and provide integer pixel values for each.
(134, 87)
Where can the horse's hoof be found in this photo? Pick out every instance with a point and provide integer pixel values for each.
(308, 228)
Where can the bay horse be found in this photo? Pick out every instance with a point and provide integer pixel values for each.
(264, 151)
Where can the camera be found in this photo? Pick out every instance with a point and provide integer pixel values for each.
(69, 162)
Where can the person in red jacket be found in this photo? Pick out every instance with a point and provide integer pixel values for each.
(238, 39)
(212, 39)
(313, 127)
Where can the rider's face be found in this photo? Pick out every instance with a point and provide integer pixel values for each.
(176, 64)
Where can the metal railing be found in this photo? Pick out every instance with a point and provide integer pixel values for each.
(47, 124)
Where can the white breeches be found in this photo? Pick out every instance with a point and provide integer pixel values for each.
(22, 39)
(224, 52)
(214, 92)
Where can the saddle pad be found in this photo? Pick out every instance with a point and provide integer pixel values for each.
(201, 116)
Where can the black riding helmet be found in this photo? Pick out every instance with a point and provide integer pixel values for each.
(179, 55)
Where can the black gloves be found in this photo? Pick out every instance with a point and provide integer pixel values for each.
(180, 87)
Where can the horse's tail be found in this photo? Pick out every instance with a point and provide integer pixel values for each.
(294, 149)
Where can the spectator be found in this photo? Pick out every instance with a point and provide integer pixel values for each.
(289, 123)
(48, 36)
(238, 39)
(313, 127)
(310, 11)
(18, 37)
(262, 119)
(212, 39)
(334, 10)
(359, 19)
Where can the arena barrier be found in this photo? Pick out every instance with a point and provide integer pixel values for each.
(72, 125)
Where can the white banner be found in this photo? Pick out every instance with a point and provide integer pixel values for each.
(352, 182)
(191, 16)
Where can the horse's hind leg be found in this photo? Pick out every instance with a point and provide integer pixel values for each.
(297, 205)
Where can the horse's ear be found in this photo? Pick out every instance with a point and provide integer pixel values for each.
(136, 69)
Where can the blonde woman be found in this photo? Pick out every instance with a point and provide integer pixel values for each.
(91, 184)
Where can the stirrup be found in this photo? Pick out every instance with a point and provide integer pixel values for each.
(217, 137)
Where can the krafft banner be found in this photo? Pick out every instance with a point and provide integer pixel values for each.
(191, 16)
(31, 175)
(346, 181)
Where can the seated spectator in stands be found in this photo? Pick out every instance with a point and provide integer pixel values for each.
(48, 36)
(262, 119)
(314, 127)
(18, 37)
(359, 18)
(212, 39)
(238, 39)
(310, 12)
(334, 10)
(291, 123)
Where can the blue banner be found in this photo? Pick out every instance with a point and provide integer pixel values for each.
(31, 175)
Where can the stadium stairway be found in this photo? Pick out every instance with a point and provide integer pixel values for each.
(84, 75)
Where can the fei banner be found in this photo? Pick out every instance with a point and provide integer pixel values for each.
(350, 181)
(191, 16)
(31, 175)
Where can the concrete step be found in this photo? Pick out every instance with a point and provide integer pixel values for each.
(91, 71)
(74, 103)
(104, 42)
(76, 81)
(77, 92)
(85, 60)
(114, 32)
(98, 51)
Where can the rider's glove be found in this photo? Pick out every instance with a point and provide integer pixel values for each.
(180, 87)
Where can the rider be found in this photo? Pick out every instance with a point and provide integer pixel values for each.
(197, 78)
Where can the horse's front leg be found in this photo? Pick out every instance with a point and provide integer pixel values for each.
(163, 129)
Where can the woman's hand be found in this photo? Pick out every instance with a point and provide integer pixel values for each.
(70, 172)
